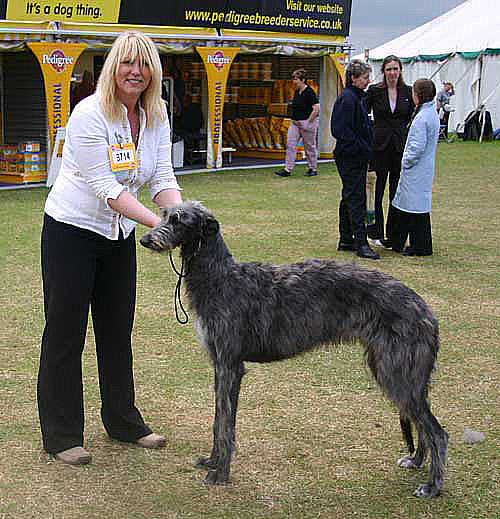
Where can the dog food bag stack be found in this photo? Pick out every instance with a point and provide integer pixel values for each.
(23, 164)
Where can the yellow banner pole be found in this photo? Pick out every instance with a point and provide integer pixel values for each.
(339, 61)
(57, 61)
(217, 62)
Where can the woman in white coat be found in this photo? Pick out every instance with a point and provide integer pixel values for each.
(413, 198)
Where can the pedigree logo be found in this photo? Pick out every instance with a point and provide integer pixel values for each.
(218, 60)
(57, 60)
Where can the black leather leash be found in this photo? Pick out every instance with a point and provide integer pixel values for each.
(177, 294)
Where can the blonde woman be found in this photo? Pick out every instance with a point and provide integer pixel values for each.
(117, 140)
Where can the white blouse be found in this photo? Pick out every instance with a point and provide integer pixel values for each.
(85, 181)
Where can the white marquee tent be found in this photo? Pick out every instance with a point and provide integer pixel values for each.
(461, 46)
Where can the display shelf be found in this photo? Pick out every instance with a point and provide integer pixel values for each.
(7, 178)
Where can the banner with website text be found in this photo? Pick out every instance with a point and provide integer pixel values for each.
(329, 17)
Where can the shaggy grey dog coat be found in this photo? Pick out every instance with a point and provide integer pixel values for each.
(257, 312)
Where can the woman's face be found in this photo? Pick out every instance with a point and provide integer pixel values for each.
(361, 81)
(132, 79)
(297, 82)
(392, 71)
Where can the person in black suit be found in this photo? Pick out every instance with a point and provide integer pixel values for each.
(392, 105)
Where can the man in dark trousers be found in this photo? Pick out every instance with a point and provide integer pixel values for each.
(351, 128)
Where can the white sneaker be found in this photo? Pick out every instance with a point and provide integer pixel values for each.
(376, 243)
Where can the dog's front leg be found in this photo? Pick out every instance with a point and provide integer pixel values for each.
(211, 462)
(228, 381)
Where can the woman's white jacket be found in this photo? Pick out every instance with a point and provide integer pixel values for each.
(414, 192)
(85, 181)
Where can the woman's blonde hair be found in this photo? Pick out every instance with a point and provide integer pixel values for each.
(132, 46)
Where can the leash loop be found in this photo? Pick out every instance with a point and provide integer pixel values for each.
(177, 293)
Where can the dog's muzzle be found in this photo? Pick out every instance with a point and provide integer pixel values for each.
(148, 242)
(158, 239)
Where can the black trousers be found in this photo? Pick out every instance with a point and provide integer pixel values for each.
(416, 227)
(387, 165)
(82, 269)
(352, 210)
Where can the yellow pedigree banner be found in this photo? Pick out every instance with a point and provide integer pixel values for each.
(339, 61)
(57, 61)
(93, 11)
(217, 61)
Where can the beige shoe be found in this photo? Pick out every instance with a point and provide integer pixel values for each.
(74, 456)
(152, 441)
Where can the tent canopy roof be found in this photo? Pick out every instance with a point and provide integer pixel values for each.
(470, 28)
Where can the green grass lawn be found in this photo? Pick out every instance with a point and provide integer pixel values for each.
(315, 436)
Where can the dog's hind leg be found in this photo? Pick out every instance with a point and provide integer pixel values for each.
(437, 440)
(405, 423)
(228, 383)
(415, 461)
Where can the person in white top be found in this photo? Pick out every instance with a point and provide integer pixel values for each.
(117, 140)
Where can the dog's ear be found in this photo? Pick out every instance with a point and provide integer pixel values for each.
(210, 226)
(164, 213)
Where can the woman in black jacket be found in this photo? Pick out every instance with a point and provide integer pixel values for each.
(392, 105)
(351, 128)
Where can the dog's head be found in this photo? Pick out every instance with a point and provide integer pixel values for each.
(184, 225)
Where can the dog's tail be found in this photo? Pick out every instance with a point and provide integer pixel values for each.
(406, 429)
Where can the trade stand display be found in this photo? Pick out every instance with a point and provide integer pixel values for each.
(23, 121)
(228, 89)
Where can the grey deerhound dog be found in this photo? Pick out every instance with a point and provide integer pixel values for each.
(263, 313)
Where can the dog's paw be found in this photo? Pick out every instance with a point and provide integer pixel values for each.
(427, 491)
(205, 463)
(215, 478)
(409, 462)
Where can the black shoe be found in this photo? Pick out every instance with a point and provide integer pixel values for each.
(387, 244)
(310, 173)
(365, 251)
(282, 173)
(347, 246)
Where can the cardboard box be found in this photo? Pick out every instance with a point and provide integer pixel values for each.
(31, 167)
(29, 146)
(9, 151)
(30, 157)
